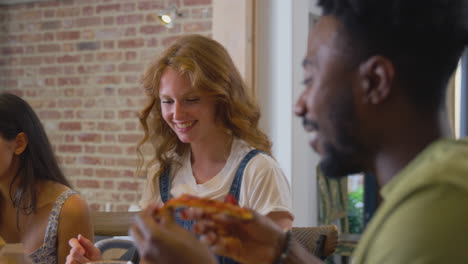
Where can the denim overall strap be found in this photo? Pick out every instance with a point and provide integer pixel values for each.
(164, 190)
(235, 191)
(237, 182)
(164, 184)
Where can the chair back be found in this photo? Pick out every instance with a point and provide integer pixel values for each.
(333, 206)
(320, 241)
(333, 201)
(116, 249)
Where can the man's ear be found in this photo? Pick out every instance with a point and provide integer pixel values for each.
(377, 78)
(21, 142)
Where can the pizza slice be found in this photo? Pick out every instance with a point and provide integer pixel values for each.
(210, 206)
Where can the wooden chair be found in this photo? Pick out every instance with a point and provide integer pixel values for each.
(320, 241)
(334, 210)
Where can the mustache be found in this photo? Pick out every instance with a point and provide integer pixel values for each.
(309, 124)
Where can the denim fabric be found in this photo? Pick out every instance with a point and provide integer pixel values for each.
(164, 187)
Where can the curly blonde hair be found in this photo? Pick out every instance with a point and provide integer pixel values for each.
(208, 67)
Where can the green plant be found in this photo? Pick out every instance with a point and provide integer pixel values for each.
(355, 210)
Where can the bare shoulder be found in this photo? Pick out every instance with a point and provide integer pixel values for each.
(74, 210)
(75, 218)
(49, 192)
(75, 205)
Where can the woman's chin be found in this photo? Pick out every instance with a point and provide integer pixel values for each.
(185, 140)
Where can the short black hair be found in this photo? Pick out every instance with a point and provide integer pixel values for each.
(423, 38)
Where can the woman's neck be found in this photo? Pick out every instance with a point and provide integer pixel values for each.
(209, 158)
(215, 151)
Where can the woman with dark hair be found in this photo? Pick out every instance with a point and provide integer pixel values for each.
(38, 207)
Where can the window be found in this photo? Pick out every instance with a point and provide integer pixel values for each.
(461, 97)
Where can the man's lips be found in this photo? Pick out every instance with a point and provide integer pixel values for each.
(313, 140)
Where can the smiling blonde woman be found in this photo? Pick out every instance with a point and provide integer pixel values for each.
(203, 128)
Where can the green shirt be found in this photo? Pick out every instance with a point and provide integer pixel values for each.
(424, 214)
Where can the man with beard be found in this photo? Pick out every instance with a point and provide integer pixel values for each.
(375, 77)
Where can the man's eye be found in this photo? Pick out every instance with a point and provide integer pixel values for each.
(167, 101)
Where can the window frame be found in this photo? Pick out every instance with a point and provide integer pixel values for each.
(463, 100)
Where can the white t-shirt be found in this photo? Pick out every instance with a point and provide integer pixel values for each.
(264, 187)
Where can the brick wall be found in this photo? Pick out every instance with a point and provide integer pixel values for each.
(78, 63)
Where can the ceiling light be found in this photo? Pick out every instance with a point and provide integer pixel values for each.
(168, 16)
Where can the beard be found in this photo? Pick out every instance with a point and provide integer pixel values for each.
(339, 163)
(343, 157)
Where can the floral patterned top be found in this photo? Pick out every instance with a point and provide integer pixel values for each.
(47, 253)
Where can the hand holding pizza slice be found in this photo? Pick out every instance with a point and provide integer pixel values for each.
(209, 206)
(228, 229)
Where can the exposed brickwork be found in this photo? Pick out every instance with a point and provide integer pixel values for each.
(79, 63)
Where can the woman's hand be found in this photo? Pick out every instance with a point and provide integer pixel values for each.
(162, 240)
(82, 251)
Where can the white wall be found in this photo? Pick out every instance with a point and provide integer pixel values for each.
(274, 78)
(281, 41)
(233, 27)
(313, 8)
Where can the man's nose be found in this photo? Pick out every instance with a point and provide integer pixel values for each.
(299, 108)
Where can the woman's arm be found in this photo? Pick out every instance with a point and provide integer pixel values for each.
(283, 219)
(74, 220)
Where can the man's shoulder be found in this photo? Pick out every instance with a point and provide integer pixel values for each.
(446, 164)
(423, 216)
(429, 224)
(443, 163)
